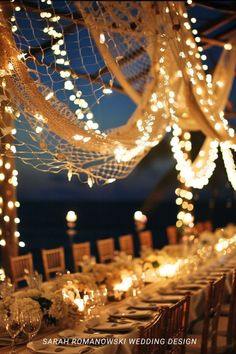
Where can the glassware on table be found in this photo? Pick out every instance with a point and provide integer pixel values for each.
(34, 281)
(13, 325)
(103, 295)
(137, 285)
(31, 323)
(87, 263)
(6, 288)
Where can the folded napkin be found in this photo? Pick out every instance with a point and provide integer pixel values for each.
(141, 305)
(69, 333)
(174, 292)
(190, 287)
(162, 299)
(130, 313)
(103, 326)
(39, 347)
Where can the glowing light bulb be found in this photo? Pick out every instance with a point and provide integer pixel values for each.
(10, 205)
(228, 46)
(107, 91)
(2, 243)
(17, 234)
(71, 216)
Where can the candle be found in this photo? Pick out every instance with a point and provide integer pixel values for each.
(124, 285)
(2, 274)
(167, 270)
(80, 304)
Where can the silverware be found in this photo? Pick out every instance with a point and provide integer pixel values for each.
(117, 320)
(93, 331)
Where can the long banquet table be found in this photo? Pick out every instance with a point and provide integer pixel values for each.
(162, 292)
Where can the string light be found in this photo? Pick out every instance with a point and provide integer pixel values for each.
(115, 154)
(193, 174)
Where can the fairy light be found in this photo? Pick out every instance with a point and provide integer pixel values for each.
(192, 175)
(184, 196)
(22, 244)
(107, 91)
(228, 46)
(196, 73)
(17, 234)
(190, 53)
(3, 242)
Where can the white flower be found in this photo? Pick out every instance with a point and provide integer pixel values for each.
(59, 308)
(207, 238)
(28, 293)
(25, 306)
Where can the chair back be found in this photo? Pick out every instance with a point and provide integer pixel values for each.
(199, 227)
(176, 326)
(126, 244)
(106, 250)
(18, 266)
(145, 239)
(208, 226)
(172, 235)
(211, 318)
(153, 331)
(231, 331)
(79, 250)
(53, 261)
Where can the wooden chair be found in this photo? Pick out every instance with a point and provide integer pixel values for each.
(126, 244)
(199, 227)
(176, 326)
(53, 261)
(145, 239)
(79, 250)
(207, 341)
(227, 323)
(18, 266)
(172, 235)
(106, 250)
(208, 226)
(154, 330)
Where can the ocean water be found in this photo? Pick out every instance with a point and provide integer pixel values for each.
(43, 224)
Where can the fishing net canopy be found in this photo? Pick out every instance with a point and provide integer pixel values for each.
(60, 59)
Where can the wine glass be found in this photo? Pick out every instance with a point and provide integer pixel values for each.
(13, 326)
(31, 323)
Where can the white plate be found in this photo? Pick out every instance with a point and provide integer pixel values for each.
(113, 327)
(163, 298)
(189, 287)
(141, 305)
(131, 313)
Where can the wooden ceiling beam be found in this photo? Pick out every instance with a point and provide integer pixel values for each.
(230, 115)
(212, 41)
(216, 6)
(217, 24)
(226, 35)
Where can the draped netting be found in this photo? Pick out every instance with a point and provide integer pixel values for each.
(55, 70)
